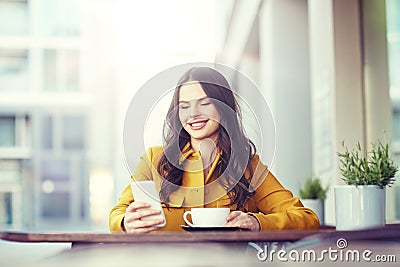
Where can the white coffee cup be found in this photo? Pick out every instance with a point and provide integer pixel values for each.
(206, 217)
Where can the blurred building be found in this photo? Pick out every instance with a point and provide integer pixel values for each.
(68, 71)
(55, 97)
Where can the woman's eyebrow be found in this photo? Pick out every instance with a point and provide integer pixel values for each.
(203, 98)
(199, 99)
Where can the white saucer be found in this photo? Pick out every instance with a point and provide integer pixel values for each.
(209, 228)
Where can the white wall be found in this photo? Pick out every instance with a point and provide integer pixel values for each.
(284, 75)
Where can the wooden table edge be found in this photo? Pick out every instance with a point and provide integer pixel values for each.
(160, 237)
(387, 233)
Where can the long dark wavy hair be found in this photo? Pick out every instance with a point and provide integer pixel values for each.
(237, 150)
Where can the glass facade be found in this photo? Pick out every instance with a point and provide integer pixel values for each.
(55, 170)
(73, 128)
(5, 208)
(14, 69)
(393, 33)
(40, 56)
(46, 132)
(7, 131)
(14, 17)
(56, 205)
(62, 172)
(61, 70)
(60, 18)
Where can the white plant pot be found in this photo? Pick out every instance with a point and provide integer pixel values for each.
(316, 205)
(359, 207)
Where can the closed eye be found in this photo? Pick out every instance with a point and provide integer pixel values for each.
(184, 106)
(205, 103)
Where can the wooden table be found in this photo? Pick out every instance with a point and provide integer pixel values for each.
(201, 248)
(161, 237)
(390, 232)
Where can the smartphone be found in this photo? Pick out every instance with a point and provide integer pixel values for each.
(146, 191)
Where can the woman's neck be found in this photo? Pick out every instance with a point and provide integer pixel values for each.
(205, 146)
(208, 150)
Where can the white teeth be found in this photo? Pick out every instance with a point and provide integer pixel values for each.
(197, 124)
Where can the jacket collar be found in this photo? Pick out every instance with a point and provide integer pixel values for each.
(188, 152)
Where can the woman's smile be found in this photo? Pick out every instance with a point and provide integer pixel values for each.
(197, 125)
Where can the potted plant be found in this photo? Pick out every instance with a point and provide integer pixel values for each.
(361, 203)
(313, 196)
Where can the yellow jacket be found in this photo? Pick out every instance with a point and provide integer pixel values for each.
(272, 204)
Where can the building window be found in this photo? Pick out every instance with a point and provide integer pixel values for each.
(56, 205)
(55, 170)
(7, 131)
(13, 69)
(73, 129)
(61, 70)
(5, 208)
(393, 36)
(46, 134)
(393, 33)
(396, 125)
(14, 133)
(60, 18)
(61, 169)
(14, 17)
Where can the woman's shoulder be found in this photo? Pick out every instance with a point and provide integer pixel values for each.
(255, 159)
(261, 172)
(154, 152)
(257, 164)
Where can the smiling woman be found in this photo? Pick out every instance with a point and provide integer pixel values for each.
(207, 161)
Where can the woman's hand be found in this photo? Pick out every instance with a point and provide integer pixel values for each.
(242, 220)
(133, 222)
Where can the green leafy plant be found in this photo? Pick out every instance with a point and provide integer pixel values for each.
(313, 189)
(373, 168)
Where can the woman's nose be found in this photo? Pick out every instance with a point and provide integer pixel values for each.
(194, 111)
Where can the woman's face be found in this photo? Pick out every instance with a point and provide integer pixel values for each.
(197, 113)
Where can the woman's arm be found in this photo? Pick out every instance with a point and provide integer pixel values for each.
(275, 206)
(117, 214)
(144, 171)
